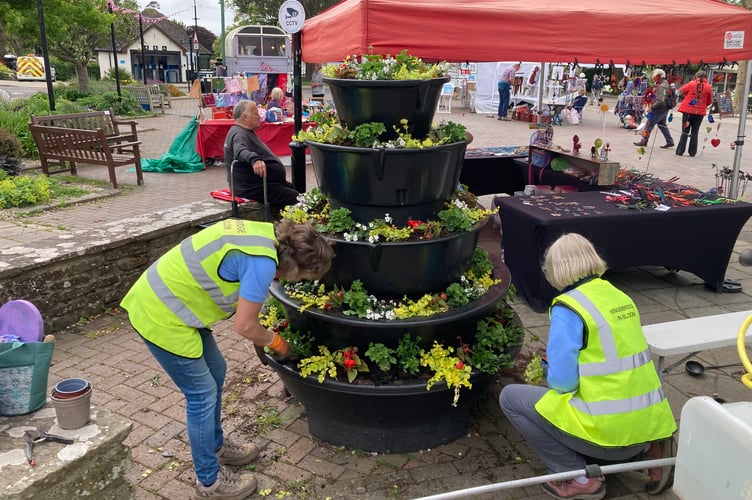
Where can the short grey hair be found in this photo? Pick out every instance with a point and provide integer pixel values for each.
(659, 72)
(571, 258)
(240, 108)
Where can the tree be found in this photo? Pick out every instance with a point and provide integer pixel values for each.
(267, 11)
(73, 29)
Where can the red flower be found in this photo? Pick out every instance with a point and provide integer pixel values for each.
(460, 365)
(443, 296)
(413, 223)
(349, 363)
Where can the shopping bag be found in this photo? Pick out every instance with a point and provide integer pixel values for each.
(24, 367)
(253, 84)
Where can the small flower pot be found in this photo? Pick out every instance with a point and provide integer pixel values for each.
(388, 102)
(70, 388)
(405, 183)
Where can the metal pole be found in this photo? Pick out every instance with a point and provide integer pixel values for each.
(46, 56)
(740, 134)
(143, 48)
(298, 149)
(589, 471)
(195, 33)
(222, 29)
(114, 55)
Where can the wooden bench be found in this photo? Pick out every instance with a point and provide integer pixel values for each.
(84, 146)
(93, 120)
(147, 96)
(691, 336)
(166, 97)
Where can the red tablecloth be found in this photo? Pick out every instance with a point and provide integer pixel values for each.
(211, 137)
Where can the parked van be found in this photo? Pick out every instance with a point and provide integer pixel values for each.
(31, 67)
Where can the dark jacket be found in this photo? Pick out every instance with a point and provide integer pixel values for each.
(245, 146)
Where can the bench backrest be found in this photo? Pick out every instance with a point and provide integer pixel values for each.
(67, 143)
(91, 120)
(145, 95)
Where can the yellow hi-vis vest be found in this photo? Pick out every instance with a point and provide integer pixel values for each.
(620, 400)
(182, 291)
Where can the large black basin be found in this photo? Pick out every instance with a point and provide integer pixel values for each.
(336, 330)
(387, 101)
(405, 183)
(409, 267)
(384, 419)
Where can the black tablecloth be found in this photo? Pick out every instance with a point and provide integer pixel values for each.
(698, 239)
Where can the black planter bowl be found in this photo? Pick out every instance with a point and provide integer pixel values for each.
(388, 102)
(406, 267)
(405, 183)
(395, 418)
(336, 331)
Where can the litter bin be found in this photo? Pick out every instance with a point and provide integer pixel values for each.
(206, 85)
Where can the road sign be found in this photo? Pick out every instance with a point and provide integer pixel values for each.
(195, 42)
(291, 16)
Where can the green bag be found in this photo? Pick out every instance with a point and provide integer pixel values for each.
(24, 367)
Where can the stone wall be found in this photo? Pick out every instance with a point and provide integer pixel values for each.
(81, 274)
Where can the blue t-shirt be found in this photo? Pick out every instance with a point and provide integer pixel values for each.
(565, 340)
(255, 274)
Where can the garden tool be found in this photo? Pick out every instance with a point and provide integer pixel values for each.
(38, 437)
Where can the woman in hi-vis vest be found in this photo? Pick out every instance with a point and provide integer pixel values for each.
(604, 397)
(222, 270)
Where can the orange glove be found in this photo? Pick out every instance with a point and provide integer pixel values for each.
(279, 345)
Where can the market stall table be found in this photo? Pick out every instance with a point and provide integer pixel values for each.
(697, 239)
(211, 137)
(495, 169)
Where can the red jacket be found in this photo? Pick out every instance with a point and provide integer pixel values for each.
(701, 100)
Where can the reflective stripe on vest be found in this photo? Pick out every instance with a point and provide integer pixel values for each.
(183, 291)
(193, 260)
(619, 400)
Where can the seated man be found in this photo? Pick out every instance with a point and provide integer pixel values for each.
(580, 101)
(255, 160)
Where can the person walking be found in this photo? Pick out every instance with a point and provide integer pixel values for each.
(222, 270)
(596, 89)
(505, 85)
(604, 397)
(697, 96)
(317, 84)
(659, 110)
(254, 160)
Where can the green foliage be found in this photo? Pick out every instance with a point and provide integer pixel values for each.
(356, 298)
(408, 355)
(5, 72)
(16, 191)
(340, 220)
(534, 370)
(383, 356)
(322, 365)
(377, 67)
(126, 104)
(456, 295)
(368, 135)
(495, 336)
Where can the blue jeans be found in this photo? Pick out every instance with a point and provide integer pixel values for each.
(200, 380)
(504, 88)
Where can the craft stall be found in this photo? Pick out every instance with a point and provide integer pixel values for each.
(661, 224)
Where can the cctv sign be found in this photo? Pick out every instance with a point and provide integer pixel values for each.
(291, 16)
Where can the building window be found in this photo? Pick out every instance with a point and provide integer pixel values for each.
(156, 47)
(164, 48)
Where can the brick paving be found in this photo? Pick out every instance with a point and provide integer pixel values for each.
(128, 382)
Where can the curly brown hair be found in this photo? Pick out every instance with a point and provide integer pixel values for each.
(303, 252)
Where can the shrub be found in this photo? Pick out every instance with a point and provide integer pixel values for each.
(124, 105)
(5, 72)
(122, 74)
(174, 90)
(10, 145)
(23, 190)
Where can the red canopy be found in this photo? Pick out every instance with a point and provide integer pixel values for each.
(656, 32)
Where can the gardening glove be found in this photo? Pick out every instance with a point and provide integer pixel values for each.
(279, 345)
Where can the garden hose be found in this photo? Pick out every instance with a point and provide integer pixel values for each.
(741, 348)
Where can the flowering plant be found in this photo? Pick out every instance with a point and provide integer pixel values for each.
(460, 213)
(377, 67)
(368, 135)
(494, 337)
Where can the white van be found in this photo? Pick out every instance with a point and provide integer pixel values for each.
(31, 67)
